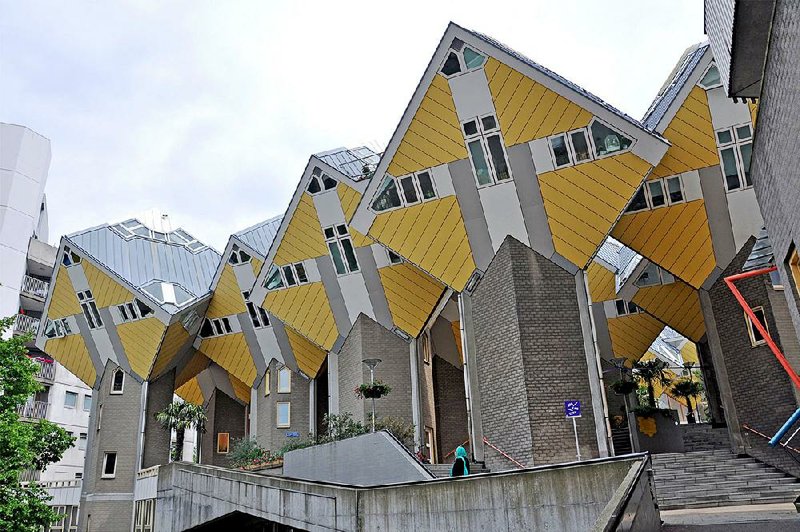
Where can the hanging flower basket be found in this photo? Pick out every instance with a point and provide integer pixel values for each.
(373, 390)
(624, 387)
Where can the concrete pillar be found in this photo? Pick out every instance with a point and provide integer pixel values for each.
(416, 403)
(312, 407)
(333, 384)
(471, 386)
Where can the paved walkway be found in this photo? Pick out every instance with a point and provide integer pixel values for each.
(752, 518)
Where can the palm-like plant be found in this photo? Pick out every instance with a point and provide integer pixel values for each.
(181, 416)
(688, 388)
(652, 371)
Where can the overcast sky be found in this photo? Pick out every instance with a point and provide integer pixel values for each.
(210, 110)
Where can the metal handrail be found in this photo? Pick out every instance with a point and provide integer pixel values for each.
(26, 324)
(35, 287)
(46, 371)
(465, 442)
(505, 454)
(757, 433)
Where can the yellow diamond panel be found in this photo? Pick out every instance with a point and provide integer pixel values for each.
(753, 106)
(677, 238)
(602, 283)
(106, 290)
(140, 340)
(64, 301)
(241, 390)
(191, 392)
(677, 305)
(689, 353)
(432, 235)
(599, 191)
(227, 299)
(434, 135)
(232, 353)
(411, 295)
(631, 336)
(306, 309)
(692, 136)
(349, 198)
(71, 352)
(526, 109)
(303, 237)
(309, 357)
(174, 339)
(256, 264)
(196, 364)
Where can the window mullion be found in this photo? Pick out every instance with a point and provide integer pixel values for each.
(488, 156)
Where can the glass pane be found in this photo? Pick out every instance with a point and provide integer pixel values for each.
(349, 252)
(426, 185)
(632, 309)
(639, 202)
(341, 229)
(757, 336)
(498, 157)
(227, 325)
(124, 313)
(674, 189)
(273, 279)
(251, 309)
(283, 414)
(329, 232)
(88, 316)
(649, 276)
(470, 128)
(206, 330)
(119, 380)
(724, 137)
(336, 255)
(142, 231)
(472, 58)
(711, 79)
(387, 196)
(621, 309)
(313, 186)
(607, 140)
(394, 258)
(409, 192)
(656, 193)
(177, 238)
(244, 256)
(162, 237)
(729, 169)
(489, 123)
(328, 182)
(580, 145)
(560, 152)
(234, 258)
(316, 171)
(289, 275)
(111, 464)
(264, 317)
(746, 150)
(284, 380)
(451, 65)
(743, 132)
(218, 326)
(301, 272)
(479, 162)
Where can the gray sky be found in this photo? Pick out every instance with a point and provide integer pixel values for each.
(210, 110)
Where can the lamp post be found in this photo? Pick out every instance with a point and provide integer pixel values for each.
(371, 363)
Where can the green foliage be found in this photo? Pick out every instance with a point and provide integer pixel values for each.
(400, 429)
(181, 416)
(248, 453)
(623, 387)
(650, 372)
(372, 390)
(340, 427)
(688, 388)
(23, 445)
(296, 443)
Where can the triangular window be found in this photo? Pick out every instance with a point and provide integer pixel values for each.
(328, 182)
(387, 196)
(313, 186)
(451, 65)
(607, 141)
(472, 58)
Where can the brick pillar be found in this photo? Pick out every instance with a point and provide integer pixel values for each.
(156, 438)
(225, 415)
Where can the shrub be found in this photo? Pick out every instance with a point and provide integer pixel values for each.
(246, 452)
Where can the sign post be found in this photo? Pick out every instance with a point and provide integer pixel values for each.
(572, 409)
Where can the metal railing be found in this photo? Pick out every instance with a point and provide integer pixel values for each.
(35, 288)
(25, 324)
(47, 370)
(33, 410)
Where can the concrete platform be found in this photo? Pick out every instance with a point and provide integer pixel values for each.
(750, 518)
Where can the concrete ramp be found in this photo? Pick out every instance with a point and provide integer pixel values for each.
(603, 495)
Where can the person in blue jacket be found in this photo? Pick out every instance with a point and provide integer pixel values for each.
(461, 465)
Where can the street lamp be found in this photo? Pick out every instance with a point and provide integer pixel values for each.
(371, 363)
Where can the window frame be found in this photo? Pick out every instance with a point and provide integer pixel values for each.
(70, 393)
(258, 315)
(462, 62)
(609, 126)
(793, 263)
(121, 390)
(227, 440)
(705, 72)
(84, 438)
(483, 136)
(267, 389)
(278, 423)
(239, 255)
(393, 261)
(627, 307)
(113, 474)
(736, 145)
(222, 323)
(288, 388)
(85, 397)
(648, 198)
(338, 240)
(90, 311)
(752, 330)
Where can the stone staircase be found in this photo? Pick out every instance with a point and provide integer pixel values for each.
(702, 437)
(702, 479)
(443, 470)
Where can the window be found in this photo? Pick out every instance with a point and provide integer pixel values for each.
(87, 403)
(756, 338)
(625, 308)
(133, 310)
(238, 256)
(655, 189)
(267, 383)
(117, 382)
(394, 258)
(294, 274)
(70, 399)
(69, 257)
(215, 327)
(78, 475)
(82, 438)
(735, 153)
(461, 59)
(89, 308)
(649, 277)
(57, 328)
(404, 191)
(674, 189)
(320, 181)
(570, 148)
(273, 280)
(134, 228)
(711, 78)
(189, 320)
(606, 140)
(99, 416)
(109, 465)
(426, 349)
(387, 196)
(794, 268)
(657, 193)
(341, 248)
(639, 201)
(284, 380)
(430, 444)
(258, 315)
(283, 416)
(223, 442)
(486, 150)
(145, 515)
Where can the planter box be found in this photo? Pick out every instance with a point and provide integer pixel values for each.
(659, 433)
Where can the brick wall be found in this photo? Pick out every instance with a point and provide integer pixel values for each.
(157, 440)
(530, 357)
(450, 407)
(269, 435)
(224, 415)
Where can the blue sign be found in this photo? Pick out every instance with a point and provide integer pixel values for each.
(292, 434)
(572, 408)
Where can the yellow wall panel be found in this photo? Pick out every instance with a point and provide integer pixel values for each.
(423, 232)
(309, 357)
(602, 283)
(233, 354)
(434, 135)
(175, 337)
(64, 301)
(526, 109)
(196, 364)
(411, 294)
(241, 390)
(191, 392)
(141, 340)
(631, 336)
(456, 327)
(599, 190)
(107, 291)
(753, 106)
(692, 136)
(676, 304)
(303, 237)
(227, 299)
(677, 238)
(256, 264)
(349, 198)
(689, 353)
(306, 309)
(71, 352)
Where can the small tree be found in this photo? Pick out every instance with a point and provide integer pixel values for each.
(23, 445)
(180, 416)
(687, 388)
(650, 372)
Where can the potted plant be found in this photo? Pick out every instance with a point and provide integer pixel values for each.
(372, 390)
(688, 388)
(623, 387)
(650, 372)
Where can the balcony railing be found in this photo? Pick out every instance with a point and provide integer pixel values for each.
(47, 370)
(33, 410)
(26, 324)
(35, 288)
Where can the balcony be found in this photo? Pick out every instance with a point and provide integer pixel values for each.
(34, 288)
(33, 410)
(46, 371)
(25, 324)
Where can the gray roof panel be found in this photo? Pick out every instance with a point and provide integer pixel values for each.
(351, 162)
(662, 102)
(609, 252)
(761, 255)
(260, 236)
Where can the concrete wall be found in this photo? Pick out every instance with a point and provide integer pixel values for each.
(268, 434)
(365, 460)
(224, 415)
(530, 359)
